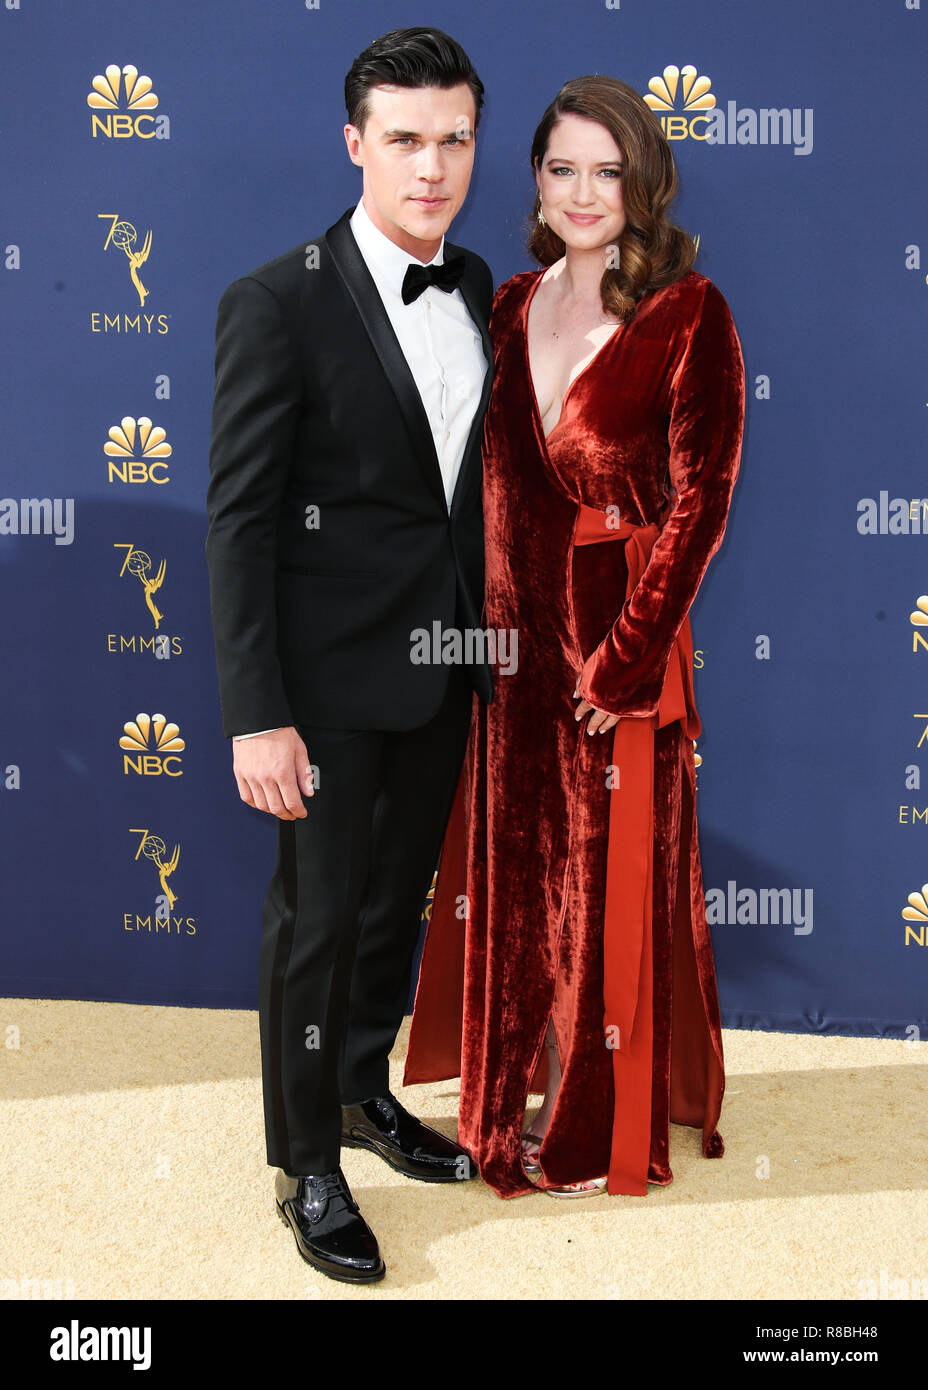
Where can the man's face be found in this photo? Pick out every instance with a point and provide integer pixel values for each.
(417, 153)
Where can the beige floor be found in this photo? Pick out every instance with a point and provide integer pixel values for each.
(134, 1167)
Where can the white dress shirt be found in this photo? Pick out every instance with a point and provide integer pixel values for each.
(440, 341)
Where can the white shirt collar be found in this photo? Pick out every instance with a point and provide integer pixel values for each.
(379, 251)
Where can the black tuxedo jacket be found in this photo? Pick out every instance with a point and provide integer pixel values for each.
(316, 407)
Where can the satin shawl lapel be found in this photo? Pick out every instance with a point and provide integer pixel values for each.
(471, 460)
(360, 285)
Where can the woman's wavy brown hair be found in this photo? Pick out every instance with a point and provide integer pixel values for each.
(652, 251)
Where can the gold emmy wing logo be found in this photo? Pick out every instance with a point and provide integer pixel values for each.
(139, 564)
(692, 92)
(124, 235)
(151, 746)
(137, 463)
(917, 912)
(122, 88)
(919, 619)
(154, 848)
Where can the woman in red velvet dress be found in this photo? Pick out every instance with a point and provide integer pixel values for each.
(568, 950)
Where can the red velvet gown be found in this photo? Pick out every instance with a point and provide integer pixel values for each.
(569, 883)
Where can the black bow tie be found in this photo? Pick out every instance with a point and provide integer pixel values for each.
(418, 277)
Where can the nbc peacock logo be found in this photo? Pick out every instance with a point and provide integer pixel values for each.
(695, 96)
(683, 101)
(151, 747)
(915, 917)
(919, 620)
(122, 103)
(137, 452)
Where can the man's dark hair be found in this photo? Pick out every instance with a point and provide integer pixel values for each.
(409, 58)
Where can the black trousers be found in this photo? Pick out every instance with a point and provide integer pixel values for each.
(341, 921)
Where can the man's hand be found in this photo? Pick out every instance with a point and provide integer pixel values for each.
(270, 770)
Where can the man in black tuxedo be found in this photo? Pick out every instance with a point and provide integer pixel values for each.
(344, 504)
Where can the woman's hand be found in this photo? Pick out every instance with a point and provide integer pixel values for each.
(600, 722)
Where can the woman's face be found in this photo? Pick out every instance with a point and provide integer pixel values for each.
(580, 182)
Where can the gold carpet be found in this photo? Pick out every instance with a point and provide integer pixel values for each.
(134, 1167)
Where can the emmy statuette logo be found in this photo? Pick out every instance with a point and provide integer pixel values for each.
(123, 235)
(154, 848)
(161, 922)
(138, 564)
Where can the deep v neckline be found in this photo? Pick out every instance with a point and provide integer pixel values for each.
(536, 411)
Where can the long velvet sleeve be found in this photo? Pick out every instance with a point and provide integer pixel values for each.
(625, 673)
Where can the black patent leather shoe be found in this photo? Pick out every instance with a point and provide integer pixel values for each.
(330, 1232)
(385, 1128)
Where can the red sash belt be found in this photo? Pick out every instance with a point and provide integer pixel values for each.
(627, 953)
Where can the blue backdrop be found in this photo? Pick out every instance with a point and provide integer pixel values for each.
(134, 872)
